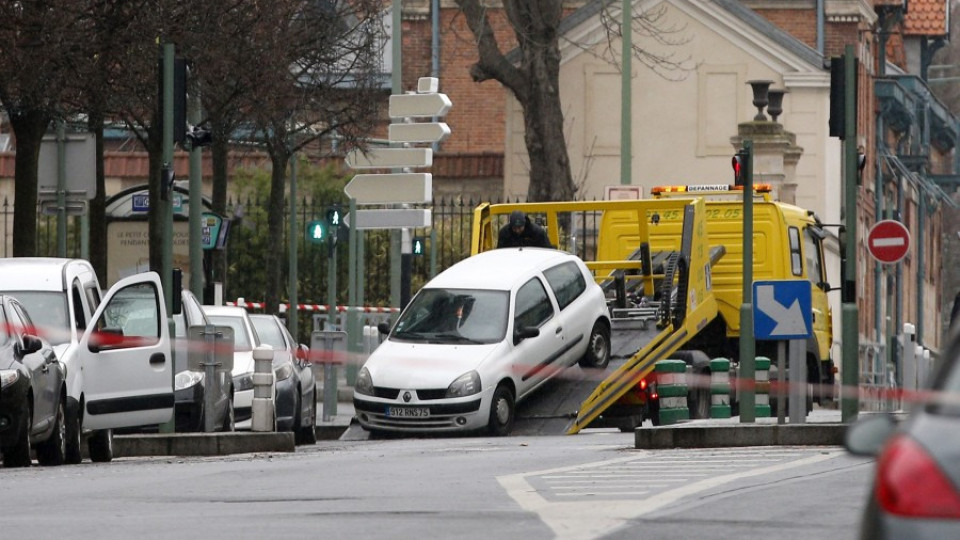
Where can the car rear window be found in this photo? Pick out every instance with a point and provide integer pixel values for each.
(567, 282)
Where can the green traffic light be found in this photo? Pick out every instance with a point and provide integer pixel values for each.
(418, 246)
(316, 231)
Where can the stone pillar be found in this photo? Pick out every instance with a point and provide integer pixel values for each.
(775, 156)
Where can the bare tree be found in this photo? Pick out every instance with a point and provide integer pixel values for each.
(320, 82)
(37, 59)
(533, 76)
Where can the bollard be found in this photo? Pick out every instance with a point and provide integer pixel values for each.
(762, 393)
(671, 377)
(263, 411)
(720, 388)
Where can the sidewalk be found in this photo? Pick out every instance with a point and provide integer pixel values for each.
(822, 427)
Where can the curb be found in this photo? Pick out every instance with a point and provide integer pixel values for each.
(664, 437)
(201, 444)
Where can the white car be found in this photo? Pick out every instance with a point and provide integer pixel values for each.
(480, 337)
(245, 339)
(117, 351)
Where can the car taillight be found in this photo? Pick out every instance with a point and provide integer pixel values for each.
(910, 484)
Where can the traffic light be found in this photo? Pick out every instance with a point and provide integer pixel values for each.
(419, 245)
(316, 231)
(740, 162)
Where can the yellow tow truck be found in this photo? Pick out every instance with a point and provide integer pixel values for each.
(672, 268)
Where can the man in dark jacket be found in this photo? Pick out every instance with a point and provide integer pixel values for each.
(521, 232)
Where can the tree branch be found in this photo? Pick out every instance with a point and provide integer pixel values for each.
(492, 64)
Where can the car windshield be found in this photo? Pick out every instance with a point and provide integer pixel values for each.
(48, 309)
(269, 332)
(454, 316)
(241, 340)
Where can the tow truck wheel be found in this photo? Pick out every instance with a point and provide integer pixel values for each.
(501, 412)
(598, 348)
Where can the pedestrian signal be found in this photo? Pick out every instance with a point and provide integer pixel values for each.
(316, 231)
(419, 245)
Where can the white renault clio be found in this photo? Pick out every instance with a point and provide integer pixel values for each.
(480, 337)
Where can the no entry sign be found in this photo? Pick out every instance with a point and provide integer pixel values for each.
(888, 241)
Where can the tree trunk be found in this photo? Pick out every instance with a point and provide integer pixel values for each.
(29, 128)
(98, 205)
(550, 177)
(279, 157)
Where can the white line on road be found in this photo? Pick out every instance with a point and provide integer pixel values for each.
(588, 519)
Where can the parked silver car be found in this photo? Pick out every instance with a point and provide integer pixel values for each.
(303, 423)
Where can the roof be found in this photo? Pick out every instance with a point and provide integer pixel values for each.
(926, 18)
(498, 269)
(38, 273)
(753, 20)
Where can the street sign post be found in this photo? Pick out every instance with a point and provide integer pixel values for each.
(782, 309)
(419, 105)
(423, 132)
(390, 188)
(888, 241)
(388, 158)
(391, 218)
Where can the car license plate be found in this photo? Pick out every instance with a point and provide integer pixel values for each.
(408, 412)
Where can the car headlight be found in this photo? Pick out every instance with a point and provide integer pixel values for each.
(186, 379)
(283, 372)
(465, 385)
(242, 382)
(8, 377)
(364, 383)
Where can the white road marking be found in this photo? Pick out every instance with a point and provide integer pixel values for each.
(586, 520)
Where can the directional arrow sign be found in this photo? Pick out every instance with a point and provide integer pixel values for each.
(387, 158)
(391, 219)
(392, 188)
(782, 309)
(425, 132)
(419, 105)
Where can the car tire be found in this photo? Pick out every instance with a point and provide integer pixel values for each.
(501, 411)
(52, 451)
(628, 424)
(229, 420)
(73, 454)
(100, 446)
(18, 454)
(307, 434)
(598, 348)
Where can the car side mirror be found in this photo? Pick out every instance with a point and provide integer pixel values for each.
(866, 436)
(525, 332)
(383, 328)
(31, 344)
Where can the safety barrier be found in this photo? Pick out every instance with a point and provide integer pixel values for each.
(671, 377)
(762, 388)
(720, 388)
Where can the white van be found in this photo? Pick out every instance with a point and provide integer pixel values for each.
(480, 337)
(116, 347)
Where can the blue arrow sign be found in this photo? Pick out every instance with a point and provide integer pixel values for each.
(782, 310)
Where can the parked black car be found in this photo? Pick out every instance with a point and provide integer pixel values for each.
(33, 392)
(300, 417)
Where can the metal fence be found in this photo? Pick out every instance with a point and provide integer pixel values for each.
(249, 247)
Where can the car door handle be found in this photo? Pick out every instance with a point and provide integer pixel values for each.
(157, 359)
(559, 329)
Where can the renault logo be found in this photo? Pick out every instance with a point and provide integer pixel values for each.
(407, 397)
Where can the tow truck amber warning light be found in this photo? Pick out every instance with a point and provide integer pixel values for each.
(707, 188)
